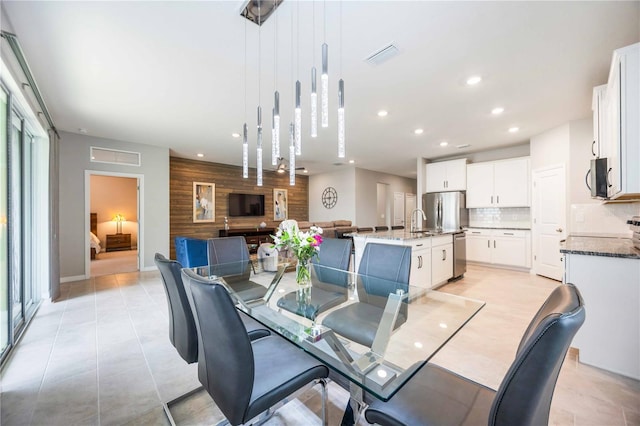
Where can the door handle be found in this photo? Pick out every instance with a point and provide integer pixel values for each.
(444, 255)
(419, 262)
(609, 171)
(494, 243)
(586, 179)
(593, 151)
(559, 230)
(492, 199)
(497, 199)
(489, 243)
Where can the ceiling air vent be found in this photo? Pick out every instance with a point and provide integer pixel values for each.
(382, 55)
(114, 156)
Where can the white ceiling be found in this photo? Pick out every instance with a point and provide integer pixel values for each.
(172, 73)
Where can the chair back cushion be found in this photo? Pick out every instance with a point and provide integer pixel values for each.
(225, 359)
(524, 396)
(182, 327)
(227, 249)
(383, 269)
(191, 252)
(334, 253)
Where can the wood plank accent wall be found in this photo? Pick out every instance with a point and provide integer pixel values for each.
(182, 174)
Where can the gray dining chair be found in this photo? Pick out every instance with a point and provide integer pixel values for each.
(437, 396)
(329, 284)
(229, 256)
(383, 269)
(246, 379)
(182, 327)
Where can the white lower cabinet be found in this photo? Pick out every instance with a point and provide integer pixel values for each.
(441, 259)
(421, 263)
(499, 247)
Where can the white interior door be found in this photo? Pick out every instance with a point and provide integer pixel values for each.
(398, 208)
(409, 206)
(549, 217)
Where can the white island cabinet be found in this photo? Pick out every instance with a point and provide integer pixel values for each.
(431, 256)
(606, 271)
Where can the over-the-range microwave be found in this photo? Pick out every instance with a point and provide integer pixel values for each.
(596, 178)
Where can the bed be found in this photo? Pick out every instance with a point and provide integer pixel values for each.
(93, 237)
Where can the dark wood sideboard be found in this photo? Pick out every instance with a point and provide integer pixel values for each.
(254, 236)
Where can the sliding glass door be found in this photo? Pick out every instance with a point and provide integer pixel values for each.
(15, 220)
(4, 238)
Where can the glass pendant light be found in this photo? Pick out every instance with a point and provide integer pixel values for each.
(259, 150)
(298, 110)
(341, 144)
(259, 144)
(292, 156)
(314, 90)
(275, 138)
(298, 121)
(275, 149)
(314, 104)
(245, 152)
(324, 78)
(324, 85)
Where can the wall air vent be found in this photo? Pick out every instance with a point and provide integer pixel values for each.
(382, 55)
(114, 156)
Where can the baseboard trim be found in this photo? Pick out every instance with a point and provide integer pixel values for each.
(149, 268)
(73, 278)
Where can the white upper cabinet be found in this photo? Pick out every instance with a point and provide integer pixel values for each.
(621, 127)
(597, 105)
(447, 176)
(504, 183)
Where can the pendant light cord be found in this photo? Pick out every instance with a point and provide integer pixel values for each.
(275, 47)
(245, 70)
(259, 46)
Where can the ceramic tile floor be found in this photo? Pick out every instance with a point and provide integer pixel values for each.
(101, 356)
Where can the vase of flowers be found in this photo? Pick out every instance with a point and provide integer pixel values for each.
(303, 244)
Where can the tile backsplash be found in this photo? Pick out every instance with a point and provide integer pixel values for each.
(611, 218)
(516, 217)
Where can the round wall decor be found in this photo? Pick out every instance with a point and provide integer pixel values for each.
(329, 197)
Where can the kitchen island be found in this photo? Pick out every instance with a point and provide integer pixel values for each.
(431, 253)
(607, 273)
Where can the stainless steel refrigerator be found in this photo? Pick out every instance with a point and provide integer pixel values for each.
(445, 211)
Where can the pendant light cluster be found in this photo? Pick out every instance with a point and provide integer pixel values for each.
(295, 127)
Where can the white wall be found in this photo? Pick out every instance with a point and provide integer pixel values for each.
(74, 160)
(344, 182)
(366, 194)
(570, 144)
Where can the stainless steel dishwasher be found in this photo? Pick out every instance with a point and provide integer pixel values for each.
(459, 255)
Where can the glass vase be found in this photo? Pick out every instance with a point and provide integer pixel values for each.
(303, 273)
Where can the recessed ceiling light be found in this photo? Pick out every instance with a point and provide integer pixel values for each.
(305, 171)
(497, 110)
(382, 113)
(352, 161)
(235, 135)
(418, 131)
(200, 155)
(473, 80)
(513, 129)
(444, 143)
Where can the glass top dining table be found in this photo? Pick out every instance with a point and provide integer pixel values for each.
(396, 330)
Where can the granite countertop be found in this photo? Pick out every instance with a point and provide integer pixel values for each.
(596, 246)
(400, 234)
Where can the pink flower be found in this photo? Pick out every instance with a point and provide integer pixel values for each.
(318, 240)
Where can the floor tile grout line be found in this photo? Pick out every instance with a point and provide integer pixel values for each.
(53, 344)
(95, 304)
(135, 330)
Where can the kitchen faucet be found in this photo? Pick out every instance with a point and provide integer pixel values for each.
(414, 224)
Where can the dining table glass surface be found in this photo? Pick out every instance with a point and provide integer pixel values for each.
(403, 326)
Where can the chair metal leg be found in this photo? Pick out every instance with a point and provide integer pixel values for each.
(323, 383)
(167, 405)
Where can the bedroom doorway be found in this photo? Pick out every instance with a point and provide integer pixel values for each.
(113, 210)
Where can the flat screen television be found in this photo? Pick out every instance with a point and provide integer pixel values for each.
(246, 204)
